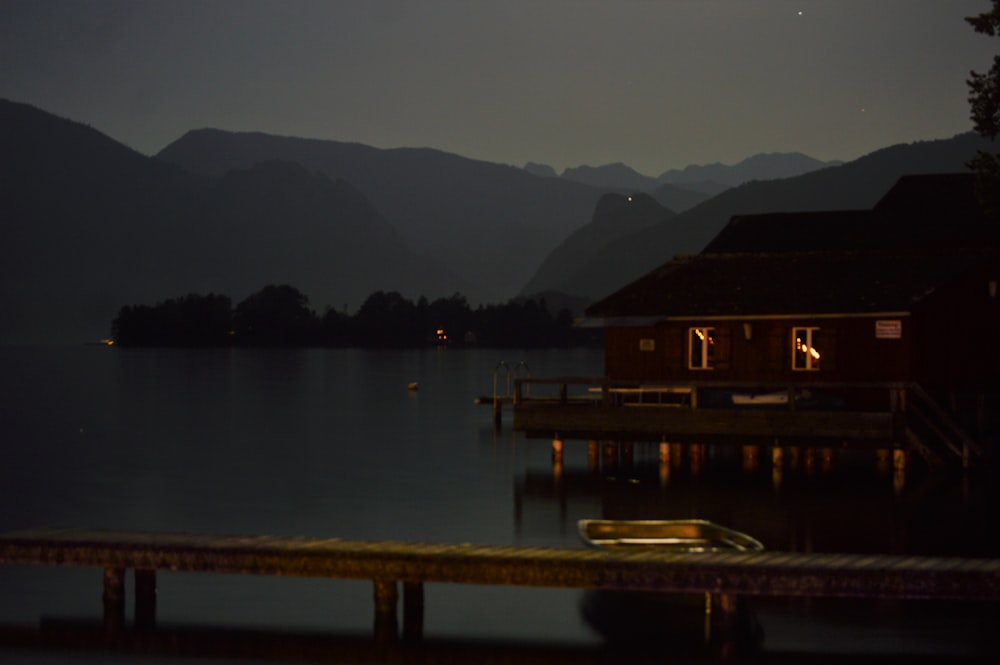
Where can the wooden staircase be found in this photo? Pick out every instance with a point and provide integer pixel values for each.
(933, 433)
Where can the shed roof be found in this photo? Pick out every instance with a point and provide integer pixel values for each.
(786, 283)
(920, 211)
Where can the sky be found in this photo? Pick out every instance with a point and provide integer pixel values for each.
(656, 84)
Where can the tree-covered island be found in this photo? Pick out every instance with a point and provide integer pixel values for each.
(279, 315)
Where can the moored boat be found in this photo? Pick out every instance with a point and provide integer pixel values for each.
(691, 535)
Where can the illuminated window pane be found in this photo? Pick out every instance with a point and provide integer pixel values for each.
(702, 348)
(806, 348)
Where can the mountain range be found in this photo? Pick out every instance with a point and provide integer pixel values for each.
(492, 224)
(854, 185)
(706, 179)
(89, 225)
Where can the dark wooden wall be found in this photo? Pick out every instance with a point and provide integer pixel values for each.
(851, 351)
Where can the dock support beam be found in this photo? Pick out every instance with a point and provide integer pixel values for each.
(114, 598)
(145, 598)
(413, 610)
(386, 621)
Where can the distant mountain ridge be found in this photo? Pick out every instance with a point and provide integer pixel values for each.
(89, 226)
(709, 179)
(764, 166)
(855, 185)
(489, 223)
(615, 216)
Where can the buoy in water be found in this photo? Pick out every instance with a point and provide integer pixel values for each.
(413, 385)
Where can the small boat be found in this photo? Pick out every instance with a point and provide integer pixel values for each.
(680, 622)
(671, 535)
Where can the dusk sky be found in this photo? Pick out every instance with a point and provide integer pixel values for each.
(656, 84)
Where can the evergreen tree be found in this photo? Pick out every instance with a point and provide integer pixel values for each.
(984, 102)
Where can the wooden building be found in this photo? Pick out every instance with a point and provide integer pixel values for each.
(840, 312)
(906, 291)
(809, 317)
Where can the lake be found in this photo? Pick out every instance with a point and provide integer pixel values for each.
(332, 443)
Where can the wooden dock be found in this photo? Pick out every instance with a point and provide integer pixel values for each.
(391, 564)
(598, 408)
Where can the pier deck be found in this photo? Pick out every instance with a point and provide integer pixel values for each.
(388, 564)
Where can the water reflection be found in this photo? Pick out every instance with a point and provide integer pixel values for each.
(793, 498)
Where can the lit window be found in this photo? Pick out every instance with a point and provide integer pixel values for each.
(701, 348)
(806, 345)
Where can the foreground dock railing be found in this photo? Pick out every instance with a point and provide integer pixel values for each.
(390, 565)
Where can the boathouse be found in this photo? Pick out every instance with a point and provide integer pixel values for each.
(906, 291)
(810, 317)
(840, 322)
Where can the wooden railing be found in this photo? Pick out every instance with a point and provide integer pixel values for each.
(890, 396)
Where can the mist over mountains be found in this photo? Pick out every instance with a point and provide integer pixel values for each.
(88, 225)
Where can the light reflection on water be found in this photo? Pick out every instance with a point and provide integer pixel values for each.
(331, 443)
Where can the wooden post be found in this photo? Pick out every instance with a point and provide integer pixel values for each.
(557, 449)
(725, 609)
(413, 610)
(793, 457)
(664, 464)
(145, 598)
(882, 460)
(114, 598)
(386, 621)
(609, 458)
(557, 458)
(627, 454)
(676, 454)
(696, 452)
(898, 470)
(751, 457)
(592, 457)
(828, 458)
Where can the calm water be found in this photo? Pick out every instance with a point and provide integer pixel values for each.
(331, 443)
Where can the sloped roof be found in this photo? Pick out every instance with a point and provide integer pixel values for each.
(761, 284)
(920, 211)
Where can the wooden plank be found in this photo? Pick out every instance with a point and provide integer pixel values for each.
(764, 573)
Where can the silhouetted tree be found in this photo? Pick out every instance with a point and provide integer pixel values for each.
(386, 319)
(192, 320)
(280, 316)
(984, 101)
(335, 328)
(276, 316)
(452, 315)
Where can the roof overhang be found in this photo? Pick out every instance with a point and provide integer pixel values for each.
(638, 321)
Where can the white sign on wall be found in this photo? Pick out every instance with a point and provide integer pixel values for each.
(889, 329)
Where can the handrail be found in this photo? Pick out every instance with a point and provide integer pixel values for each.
(718, 384)
(496, 371)
(945, 419)
(610, 386)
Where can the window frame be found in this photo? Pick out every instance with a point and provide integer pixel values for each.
(812, 364)
(707, 356)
